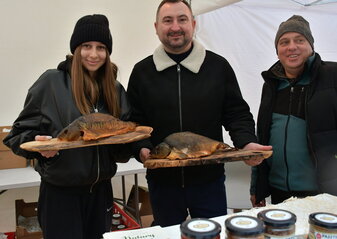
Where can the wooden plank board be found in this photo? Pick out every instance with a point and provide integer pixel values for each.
(215, 158)
(141, 132)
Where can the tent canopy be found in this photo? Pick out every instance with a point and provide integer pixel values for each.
(202, 6)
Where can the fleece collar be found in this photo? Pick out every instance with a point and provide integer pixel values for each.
(192, 62)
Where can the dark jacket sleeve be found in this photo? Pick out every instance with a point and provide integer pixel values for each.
(29, 124)
(137, 113)
(237, 119)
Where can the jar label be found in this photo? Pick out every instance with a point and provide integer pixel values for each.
(278, 215)
(244, 222)
(201, 226)
(327, 218)
(320, 235)
(267, 236)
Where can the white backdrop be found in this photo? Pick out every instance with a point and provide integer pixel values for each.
(244, 34)
(35, 36)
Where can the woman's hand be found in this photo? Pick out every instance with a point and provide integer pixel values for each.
(46, 154)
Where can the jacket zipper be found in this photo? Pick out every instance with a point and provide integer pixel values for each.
(179, 95)
(98, 171)
(312, 154)
(286, 135)
(98, 160)
(180, 120)
(300, 101)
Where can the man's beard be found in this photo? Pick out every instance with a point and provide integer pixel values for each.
(176, 44)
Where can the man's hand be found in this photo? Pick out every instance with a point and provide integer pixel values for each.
(144, 154)
(260, 204)
(46, 154)
(255, 146)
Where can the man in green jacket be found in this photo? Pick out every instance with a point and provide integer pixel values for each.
(298, 117)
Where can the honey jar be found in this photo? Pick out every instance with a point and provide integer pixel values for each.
(116, 219)
(278, 223)
(323, 225)
(242, 227)
(200, 228)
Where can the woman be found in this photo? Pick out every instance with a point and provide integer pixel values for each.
(75, 198)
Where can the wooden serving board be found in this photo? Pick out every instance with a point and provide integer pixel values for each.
(215, 158)
(141, 132)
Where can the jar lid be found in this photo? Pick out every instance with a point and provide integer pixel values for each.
(277, 217)
(116, 215)
(200, 228)
(120, 227)
(323, 219)
(244, 225)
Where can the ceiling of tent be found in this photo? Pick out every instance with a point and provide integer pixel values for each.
(203, 6)
(314, 2)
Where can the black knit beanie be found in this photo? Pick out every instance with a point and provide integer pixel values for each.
(295, 24)
(91, 28)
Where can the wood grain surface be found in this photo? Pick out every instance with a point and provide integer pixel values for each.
(141, 132)
(215, 158)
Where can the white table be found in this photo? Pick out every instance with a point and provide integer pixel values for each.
(301, 207)
(18, 178)
(28, 177)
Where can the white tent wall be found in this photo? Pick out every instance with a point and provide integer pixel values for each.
(244, 34)
(35, 36)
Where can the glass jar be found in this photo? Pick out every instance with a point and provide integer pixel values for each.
(200, 228)
(241, 227)
(278, 223)
(116, 219)
(322, 225)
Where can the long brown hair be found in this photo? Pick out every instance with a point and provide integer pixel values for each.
(86, 90)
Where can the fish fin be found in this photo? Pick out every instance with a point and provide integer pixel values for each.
(223, 147)
(202, 153)
(176, 154)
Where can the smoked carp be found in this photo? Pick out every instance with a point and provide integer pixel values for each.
(184, 145)
(95, 126)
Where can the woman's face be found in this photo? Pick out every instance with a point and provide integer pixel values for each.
(93, 56)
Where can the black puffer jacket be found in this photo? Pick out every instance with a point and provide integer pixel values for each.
(49, 107)
(321, 118)
(201, 94)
